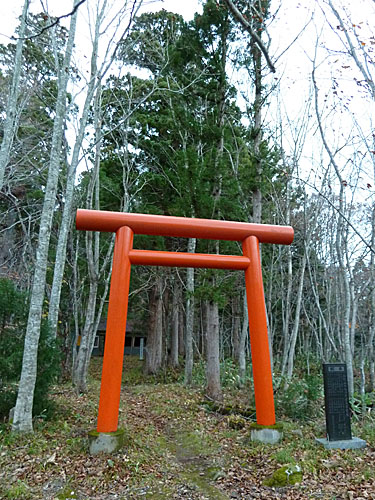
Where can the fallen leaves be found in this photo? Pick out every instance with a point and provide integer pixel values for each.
(217, 460)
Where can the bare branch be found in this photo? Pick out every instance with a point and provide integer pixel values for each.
(240, 18)
(352, 51)
(337, 210)
(51, 25)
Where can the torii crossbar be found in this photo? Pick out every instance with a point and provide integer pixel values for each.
(125, 225)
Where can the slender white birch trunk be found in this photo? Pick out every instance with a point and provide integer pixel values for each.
(69, 191)
(81, 362)
(213, 389)
(371, 332)
(189, 355)
(10, 122)
(288, 298)
(96, 76)
(340, 246)
(293, 337)
(345, 311)
(23, 411)
(243, 338)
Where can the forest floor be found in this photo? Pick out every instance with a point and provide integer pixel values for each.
(177, 448)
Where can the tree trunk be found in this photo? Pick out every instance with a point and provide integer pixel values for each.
(175, 324)
(96, 75)
(371, 330)
(155, 331)
(10, 122)
(213, 389)
(258, 102)
(293, 338)
(23, 411)
(82, 360)
(67, 215)
(340, 247)
(243, 339)
(189, 355)
(287, 303)
(181, 333)
(236, 325)
(88, 334)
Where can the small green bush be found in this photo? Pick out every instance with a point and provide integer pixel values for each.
(230, 375)
(13, 316)
(48, 371)
(12, 304)
(361, 405)
(301, 399)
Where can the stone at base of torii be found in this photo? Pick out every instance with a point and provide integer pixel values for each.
(343, 444)
(106, 442)
(272, 434)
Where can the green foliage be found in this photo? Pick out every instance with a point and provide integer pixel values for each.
(13, 307)
(284, 456)
(49, 362)
(18, 491)
(229, 374)
(301, 398)
(11, 303)
(66, 492)
(362, 404)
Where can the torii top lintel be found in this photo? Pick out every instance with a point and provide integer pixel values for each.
(162, 225)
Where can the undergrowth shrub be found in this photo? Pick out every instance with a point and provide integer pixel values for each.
(302, 397)
(229, 374)
(362, 405)
(13, 317)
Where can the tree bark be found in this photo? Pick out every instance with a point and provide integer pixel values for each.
(155, 331)
(181, 333)
(175, 324)
(243, 339)
(236, 326)
(189, 355)
(371, 330)
(213, 389)
(258, 102)
(69, 190)
(293, 338)
(10, 122)
(23, 411)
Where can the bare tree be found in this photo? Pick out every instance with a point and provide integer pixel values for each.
(23, 410)
(96, 75)
(10, 123)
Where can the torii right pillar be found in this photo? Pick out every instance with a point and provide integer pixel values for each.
(265, 430)
(260, 352)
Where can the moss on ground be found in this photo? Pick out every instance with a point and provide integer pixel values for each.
(285, 476)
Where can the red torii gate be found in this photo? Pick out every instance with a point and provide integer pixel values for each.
(125, 225)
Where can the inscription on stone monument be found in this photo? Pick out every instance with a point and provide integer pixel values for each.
(336, 398)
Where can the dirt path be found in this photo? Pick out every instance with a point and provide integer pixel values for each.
(177, 449)
(198, 471)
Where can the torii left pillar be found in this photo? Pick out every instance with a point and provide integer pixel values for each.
(115, 333)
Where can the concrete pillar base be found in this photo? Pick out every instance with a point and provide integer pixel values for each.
(272, 434)
(106, 442)
(345, 444)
